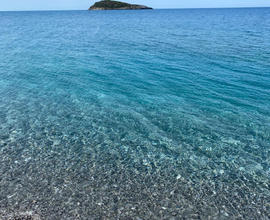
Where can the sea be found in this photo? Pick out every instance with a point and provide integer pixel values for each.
(137, 114)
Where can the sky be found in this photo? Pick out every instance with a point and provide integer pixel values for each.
(26, 5)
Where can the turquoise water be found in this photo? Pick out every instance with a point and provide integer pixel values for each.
(160, 114)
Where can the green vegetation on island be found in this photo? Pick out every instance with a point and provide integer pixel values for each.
(115, 5)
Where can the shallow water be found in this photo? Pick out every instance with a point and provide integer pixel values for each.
(160, 114)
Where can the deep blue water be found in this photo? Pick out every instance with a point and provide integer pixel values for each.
(152, 114)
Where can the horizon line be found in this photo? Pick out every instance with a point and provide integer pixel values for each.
(39, 10)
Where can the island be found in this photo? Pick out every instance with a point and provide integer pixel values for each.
(115, 5)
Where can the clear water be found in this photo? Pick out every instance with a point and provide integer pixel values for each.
(160, 114)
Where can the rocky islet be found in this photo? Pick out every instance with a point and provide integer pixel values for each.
(116, 5)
